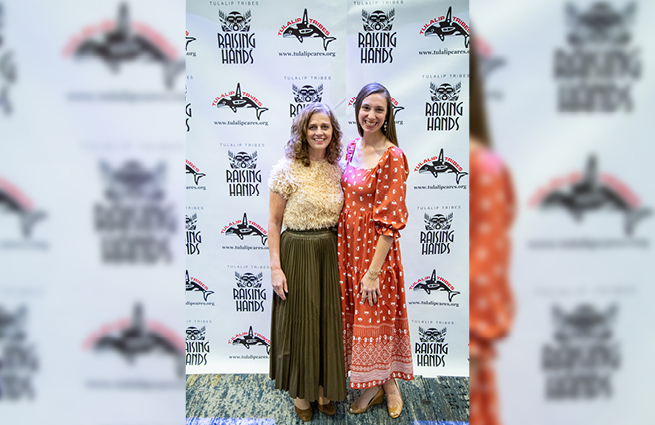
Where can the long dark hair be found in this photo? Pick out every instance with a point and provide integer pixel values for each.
(478, 127)
(366, 91)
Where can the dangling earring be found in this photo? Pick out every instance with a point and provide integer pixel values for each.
(384, 127)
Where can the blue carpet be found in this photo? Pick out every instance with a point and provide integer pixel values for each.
(251, 399)
(439, 423)
(259, 421)
(229, 421)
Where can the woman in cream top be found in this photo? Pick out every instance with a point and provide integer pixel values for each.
(306, 358)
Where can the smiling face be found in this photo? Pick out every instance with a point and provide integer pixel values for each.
(319, 135)
(372, 113)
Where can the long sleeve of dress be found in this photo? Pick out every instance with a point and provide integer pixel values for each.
(390, 210)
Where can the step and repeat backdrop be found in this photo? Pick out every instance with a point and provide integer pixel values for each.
(569, 89)
(251, 66)
(91, 207)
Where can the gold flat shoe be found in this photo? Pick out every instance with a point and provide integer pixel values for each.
(305, 415)
(379, 397)
(394, 412)
(326, 409)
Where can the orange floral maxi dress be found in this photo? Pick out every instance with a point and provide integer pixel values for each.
(375, 338)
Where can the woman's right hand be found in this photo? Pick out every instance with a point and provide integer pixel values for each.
(279, 282)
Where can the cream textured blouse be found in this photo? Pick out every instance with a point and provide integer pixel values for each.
(313, 194)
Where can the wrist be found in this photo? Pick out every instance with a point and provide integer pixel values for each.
(373, 273)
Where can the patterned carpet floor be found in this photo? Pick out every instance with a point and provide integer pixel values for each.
(251, 399)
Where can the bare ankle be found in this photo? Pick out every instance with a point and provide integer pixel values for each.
(367, 396)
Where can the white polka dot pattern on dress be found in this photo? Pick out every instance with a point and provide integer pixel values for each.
(375, 205)
(492, 208)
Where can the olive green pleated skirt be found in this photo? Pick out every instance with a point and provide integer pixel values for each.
(306, 333)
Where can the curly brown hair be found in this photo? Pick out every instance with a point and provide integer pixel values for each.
(298, 147)
(366, 91)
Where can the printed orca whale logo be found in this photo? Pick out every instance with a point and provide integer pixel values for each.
(188, 114)
(196, 175)
(445, 92)
(438, 221)
(239, 101)
(395, 108)
(189, 39)
(304, 29)
(252, 339)
(435, 284)
(126, 43)
(191, 222)
(249, 280)
(242, 160)
(246, 229)
(235, 21)
(133, 182)
(600, 24)
(432, 335)
(12, 201)
(194, 285)
(307, 93)
(441, 167)
(195, 334)
(448, 27)
(584, 323)
(137, 339)
(593, 193)
(378, 20)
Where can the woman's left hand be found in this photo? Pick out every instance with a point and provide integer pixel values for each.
(369, 289)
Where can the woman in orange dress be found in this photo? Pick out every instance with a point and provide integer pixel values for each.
(491, 301)
(375, 325)
(492, 209)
